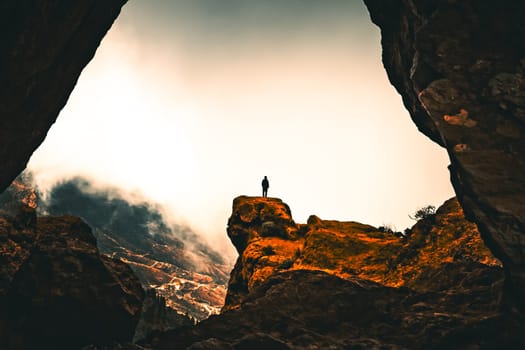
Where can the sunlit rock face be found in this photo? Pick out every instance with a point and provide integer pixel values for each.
(57, 291)
(459, 66)
(44, 45)
(440, 252)
(346, 285)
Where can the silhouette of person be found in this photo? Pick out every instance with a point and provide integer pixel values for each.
(265, 184)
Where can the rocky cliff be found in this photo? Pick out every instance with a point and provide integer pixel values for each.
(341, 285)
(439, 252)
(44, 45)
(460, 67)
(57, 291)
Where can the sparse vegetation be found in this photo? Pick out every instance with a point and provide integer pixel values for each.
(386, 229)
(268, 250)
(389, 229)
(423, 213)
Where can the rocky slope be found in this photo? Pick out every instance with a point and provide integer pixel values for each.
(157, 316)
(43, 48)
(269, 241)
(460, 67)
(57, 291)
(169, 258)
(342, 285)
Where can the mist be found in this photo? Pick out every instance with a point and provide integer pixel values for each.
(138, 223)
(188, 104)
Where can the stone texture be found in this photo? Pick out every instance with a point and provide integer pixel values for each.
(440, 252)
(315, 310)
(58, 292)
(44, 45)
(459, 67)
(346, 288)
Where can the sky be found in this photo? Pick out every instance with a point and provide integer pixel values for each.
(189, 103)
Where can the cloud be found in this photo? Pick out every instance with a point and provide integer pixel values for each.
(138, 225)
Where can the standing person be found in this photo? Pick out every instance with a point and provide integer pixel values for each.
(265, 184)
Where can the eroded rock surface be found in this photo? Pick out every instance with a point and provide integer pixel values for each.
(440, 252)
(460, 68)
(346, 285)
(315, 310)
(44, 45)
(57, 291)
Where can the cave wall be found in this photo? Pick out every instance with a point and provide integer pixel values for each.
(44, 45)
(460, 69)
(459, 66)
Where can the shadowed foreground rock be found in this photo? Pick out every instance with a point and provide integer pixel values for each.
(460, 69)
(315, 310)
(343, 285)
(57, 291)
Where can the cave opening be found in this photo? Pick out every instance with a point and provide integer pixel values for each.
(191, 104)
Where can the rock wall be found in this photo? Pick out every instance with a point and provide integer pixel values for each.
(57, 291)
(460, 68)
(441, 252)
(44, 45)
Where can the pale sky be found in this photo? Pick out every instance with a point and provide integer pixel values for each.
(189, 103)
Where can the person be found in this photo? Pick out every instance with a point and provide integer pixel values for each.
(265, 184)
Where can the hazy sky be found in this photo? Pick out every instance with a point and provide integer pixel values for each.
(190, 103)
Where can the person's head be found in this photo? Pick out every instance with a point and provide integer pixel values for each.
(265, 176)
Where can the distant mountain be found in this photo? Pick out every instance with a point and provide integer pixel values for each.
(170, 258)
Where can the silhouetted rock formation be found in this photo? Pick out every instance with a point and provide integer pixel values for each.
(57, 291)
(314, 310)
(460, 67)
(43, 48)
(342, 285)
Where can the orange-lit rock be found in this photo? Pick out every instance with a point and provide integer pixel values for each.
(459, 67)
(269, 241)
(346, 285)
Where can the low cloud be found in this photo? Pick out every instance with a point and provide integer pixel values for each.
(140, 223)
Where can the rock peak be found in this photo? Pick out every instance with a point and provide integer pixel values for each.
(269, 242)
(255, 217)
